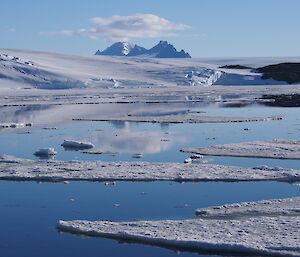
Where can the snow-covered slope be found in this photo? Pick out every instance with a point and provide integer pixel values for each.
(26, 72)
(47, 70)
(30, 69)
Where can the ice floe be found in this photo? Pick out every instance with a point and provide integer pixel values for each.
(45, 152)
(278, 236)
(13, 125)
(55, 171)
(278, 149)
(72, 144)
(276, 207)
(137, 155)
(183, 119)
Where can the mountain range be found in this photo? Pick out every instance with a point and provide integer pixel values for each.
(162, 50)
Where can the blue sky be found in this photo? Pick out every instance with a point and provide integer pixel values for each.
(205, 28)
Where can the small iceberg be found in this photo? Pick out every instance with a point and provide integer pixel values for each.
(188, 160)
(76, 145)
(196, 156)
(137, 155)
(45, 152)
(12, 125)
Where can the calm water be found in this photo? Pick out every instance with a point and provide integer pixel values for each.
(159, 143)
(30, 211)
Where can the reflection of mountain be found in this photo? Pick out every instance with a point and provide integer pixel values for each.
(125, 141)
(164, 126)
(118, 124)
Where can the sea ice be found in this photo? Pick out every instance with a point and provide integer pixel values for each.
(45, 152)
(182, 119)
(278, 149)
(137, 155)
(278, 236)
(276, 207)
(12, 125)
(54, 171)
(72, 144)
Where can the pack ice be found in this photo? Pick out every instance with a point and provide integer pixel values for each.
(264, 232)
(277, 148)
(54, 171)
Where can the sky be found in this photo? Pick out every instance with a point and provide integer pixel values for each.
(204, 28)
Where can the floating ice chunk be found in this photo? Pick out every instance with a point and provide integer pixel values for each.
(137, 155)
(186, 118)
(276, 207)
(50, 128)
(110, 183)
(99, 152)
(196, 156)
(9, 159)
(278, 236)
(278, 149)
(72, 144)
(45, 152)
(188, 160)
(55, 171)
(12, 125)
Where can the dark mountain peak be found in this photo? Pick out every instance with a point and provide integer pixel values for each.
(163, 43)
(165, 50)
(162, 50)
(137, 50)
(117, 49)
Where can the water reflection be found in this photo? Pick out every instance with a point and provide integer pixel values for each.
(125, 140)
(45, 157)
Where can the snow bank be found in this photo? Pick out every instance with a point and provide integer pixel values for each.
(52, 171)
(276, 207)
(72, 144)
(278, 236)
(278, 149)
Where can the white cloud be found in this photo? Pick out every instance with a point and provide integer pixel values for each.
(10, 29)
(126, 27)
